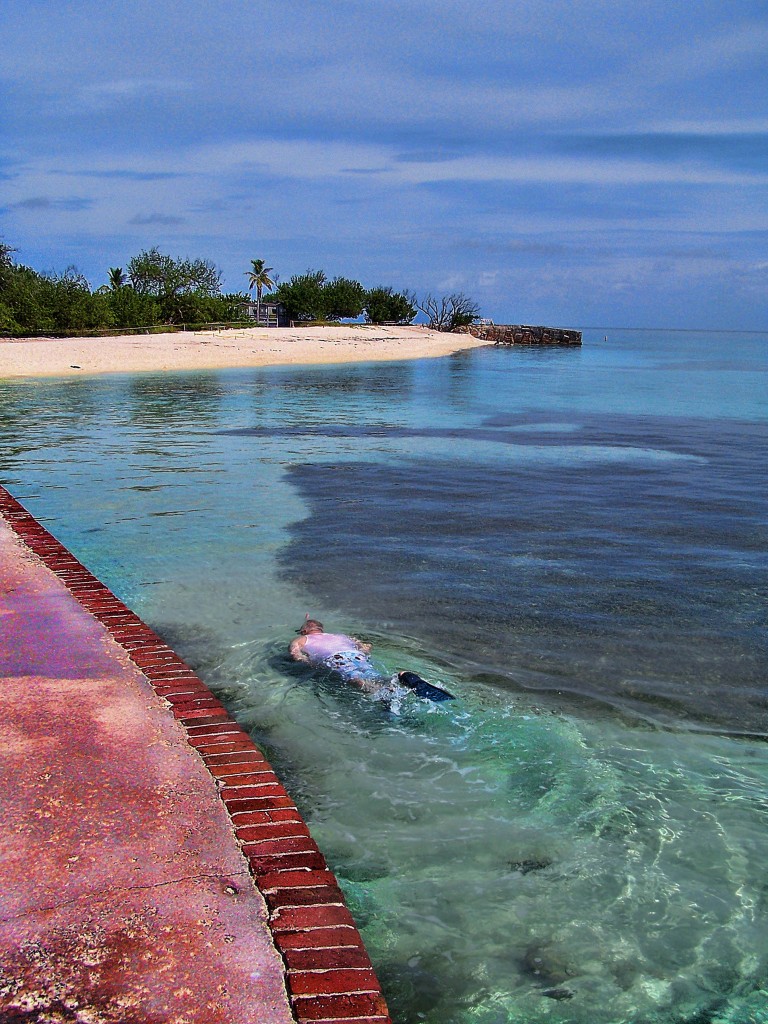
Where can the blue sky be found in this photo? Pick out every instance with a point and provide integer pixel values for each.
(571, 163)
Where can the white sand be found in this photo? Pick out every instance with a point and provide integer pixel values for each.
(217, 349)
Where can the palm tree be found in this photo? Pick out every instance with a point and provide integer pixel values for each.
(258, 278)
(116, 278)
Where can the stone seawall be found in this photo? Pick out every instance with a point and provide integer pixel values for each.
(522, 334)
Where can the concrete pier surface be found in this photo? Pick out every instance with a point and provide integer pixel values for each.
(152, 868)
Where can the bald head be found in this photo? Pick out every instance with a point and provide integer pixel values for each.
(310, 626)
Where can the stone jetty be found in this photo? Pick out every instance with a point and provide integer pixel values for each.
(524, 334)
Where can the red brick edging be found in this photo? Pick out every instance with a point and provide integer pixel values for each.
(329, 976)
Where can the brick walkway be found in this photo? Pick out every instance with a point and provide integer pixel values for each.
(152, 867)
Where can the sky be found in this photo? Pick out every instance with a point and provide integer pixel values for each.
(573, 163)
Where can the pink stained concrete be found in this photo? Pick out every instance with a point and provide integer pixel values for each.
(123, 894)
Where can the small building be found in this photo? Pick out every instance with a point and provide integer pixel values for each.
(267, 314)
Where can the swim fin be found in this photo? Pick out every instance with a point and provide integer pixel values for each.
(422, 688)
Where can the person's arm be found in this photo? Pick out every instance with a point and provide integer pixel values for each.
(365, 648)
(296, 650)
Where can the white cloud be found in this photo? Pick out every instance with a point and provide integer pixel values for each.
(106, 94)
(708, 126)
(307, 160)
(554, 170)
(219, 181)
(705, 54)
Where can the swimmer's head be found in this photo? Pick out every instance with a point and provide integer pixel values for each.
(310, 626)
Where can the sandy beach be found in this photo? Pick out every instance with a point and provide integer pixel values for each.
(219, 349)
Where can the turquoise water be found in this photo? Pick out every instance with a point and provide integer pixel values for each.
(573, 542)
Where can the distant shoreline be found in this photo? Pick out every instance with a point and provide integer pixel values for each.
(684, 330)
(224, 349)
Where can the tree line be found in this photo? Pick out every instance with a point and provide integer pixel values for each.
(311, 296)
(157, 289)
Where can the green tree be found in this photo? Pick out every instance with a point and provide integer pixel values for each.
(129, 309)
(385, 306)
(6, 263)
(33, 303)
(8, 322)
(303, 296)
(73, 306)
(26, 301)
(172, 283)
(258, 278)
(117, 278)
(343, 299)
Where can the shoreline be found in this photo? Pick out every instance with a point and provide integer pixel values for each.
(220, 349)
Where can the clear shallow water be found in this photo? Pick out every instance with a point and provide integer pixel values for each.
(574, 543)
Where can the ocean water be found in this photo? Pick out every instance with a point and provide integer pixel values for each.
(571, 541)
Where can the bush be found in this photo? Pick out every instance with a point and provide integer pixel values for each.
(33, 303)
(180, 288)
(25, 296)
(449, 312)
(343, 299)
(129, 309)
(383, 305)
(73, 306)
(303, 296)
(8, 324)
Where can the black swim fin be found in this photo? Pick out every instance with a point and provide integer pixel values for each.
(422, 688)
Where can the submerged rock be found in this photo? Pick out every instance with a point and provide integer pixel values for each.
(558, 993)
(547, 965)
(532, 864)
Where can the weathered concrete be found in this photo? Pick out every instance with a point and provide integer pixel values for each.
(152, 868)
(124, 893)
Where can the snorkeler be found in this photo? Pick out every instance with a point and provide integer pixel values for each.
(335, 651)
(348, 656)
